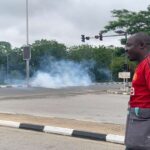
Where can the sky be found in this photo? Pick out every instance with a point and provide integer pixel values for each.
(60, 20)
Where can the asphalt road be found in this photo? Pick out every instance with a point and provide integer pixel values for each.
(35, 92)
(15, 139)
(81, 103)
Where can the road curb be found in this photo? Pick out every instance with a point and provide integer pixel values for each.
(117, 139)
(13, 86)
(118, 92)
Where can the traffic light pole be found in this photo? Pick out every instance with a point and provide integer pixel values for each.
(125, 80)
(126, 62)
(100, 37)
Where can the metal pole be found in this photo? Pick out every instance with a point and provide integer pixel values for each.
(7, 67)
(27, 71)
(112, 65)
(27, 40)
(124, 83)
(27, 23)
(126, 60)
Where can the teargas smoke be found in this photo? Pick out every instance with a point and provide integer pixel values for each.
(62, 73)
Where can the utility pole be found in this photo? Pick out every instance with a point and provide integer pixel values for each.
(27, 53)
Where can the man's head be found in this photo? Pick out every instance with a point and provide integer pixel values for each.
(138, 46)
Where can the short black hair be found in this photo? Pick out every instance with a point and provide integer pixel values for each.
(142, 38)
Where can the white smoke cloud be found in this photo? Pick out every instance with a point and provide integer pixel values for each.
(62, 73)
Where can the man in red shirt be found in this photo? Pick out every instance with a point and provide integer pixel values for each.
(138, 120)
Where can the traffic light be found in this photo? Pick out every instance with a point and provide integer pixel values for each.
(96, 36)
(83, 38)
(100, 37)
(87, 38)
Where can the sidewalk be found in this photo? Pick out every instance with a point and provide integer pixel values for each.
(104, 128)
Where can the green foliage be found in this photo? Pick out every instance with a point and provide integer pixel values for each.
(101, 60)
(79, 53)
(119, 51)
(130, 21)
(5, 49)
(117, 66)
(44, 48)
(101, 56)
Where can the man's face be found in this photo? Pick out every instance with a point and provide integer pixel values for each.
(132, 49)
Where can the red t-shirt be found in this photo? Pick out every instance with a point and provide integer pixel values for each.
(140, 90)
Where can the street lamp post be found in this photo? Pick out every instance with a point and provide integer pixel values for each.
(27, 43)
(27, 23)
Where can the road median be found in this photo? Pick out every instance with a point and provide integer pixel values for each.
(84, 129)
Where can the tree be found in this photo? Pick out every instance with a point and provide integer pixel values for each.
(100, 58)
(43, 49)
(81, 52)
(16, 63)
(5, 49)
(130, 21)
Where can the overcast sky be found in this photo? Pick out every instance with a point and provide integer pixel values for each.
(61, 20)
